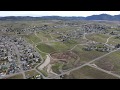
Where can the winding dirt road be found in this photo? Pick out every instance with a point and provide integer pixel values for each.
(47, 61)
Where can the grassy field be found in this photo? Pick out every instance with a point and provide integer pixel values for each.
(70, 43)
(44, 36)
(71, 64)
(110, 62)
(55, 47)
(55, 36)
(98, 37)
(45, 48)
(44, 73)
(63, 46)
(33, 38)
(59, 46)
(114, 41)
(18, 76)
(81, 55)
(28, 39)
(87, 72)
(43, 55)
(86, 56)
(31, 73)
(81, 40)
(56, 67)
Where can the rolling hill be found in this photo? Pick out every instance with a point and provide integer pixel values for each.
(93, 17)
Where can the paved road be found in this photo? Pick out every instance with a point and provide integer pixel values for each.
(35, 68)
(84, 64)
(7, 76)
(40, 63)
(18, 57)
(41, 74)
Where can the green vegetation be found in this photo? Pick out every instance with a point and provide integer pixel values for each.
(33, 38)
(45, 48)
(70, 43)
(44, 35)
(43, 55)
(80, 41)
(110, 62)
(28, 40)
(86, 56)
(58, 37)
(71, 64)
(87, 72)
(114, 41)
(63, 46)
(56, 67)
(98, 37)
(31, 73)
(44, 73)
(59, 46)
(18, 76)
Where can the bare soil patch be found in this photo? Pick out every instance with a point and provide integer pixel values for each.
(64, 56)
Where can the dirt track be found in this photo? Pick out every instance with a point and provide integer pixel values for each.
(47, 61)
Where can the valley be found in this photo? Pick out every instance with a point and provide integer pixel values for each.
(59, 49)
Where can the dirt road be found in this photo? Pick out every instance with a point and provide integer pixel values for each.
(47, 61)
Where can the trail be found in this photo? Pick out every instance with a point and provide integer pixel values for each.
(18, 57)
(47, 61)
(108, 39)
(49, 70)
(77, 45)
(84, 64)
(108, 72)
(38, 36)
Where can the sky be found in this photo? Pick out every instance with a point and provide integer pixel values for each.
(56, 13)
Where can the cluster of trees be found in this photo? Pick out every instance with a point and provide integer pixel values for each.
(117, 46)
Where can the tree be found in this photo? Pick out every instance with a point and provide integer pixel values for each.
(117, 46)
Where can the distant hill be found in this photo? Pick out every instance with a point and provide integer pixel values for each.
(93, 17)
(100, 17)
(41, 18)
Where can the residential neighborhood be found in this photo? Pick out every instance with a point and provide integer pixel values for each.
(16, 54)
(59, 47)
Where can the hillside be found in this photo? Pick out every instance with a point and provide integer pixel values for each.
(93, 17)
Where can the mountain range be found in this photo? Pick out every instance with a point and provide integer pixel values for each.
(92, 17)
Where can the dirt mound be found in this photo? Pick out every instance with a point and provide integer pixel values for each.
(64, 56)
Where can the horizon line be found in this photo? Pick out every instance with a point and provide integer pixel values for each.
(52, 15)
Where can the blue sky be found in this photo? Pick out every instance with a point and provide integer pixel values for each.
(57, 13)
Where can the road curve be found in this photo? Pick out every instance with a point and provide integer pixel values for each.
(47, 61)
(84, 64)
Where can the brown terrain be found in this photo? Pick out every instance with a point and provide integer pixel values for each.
(64, 56)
